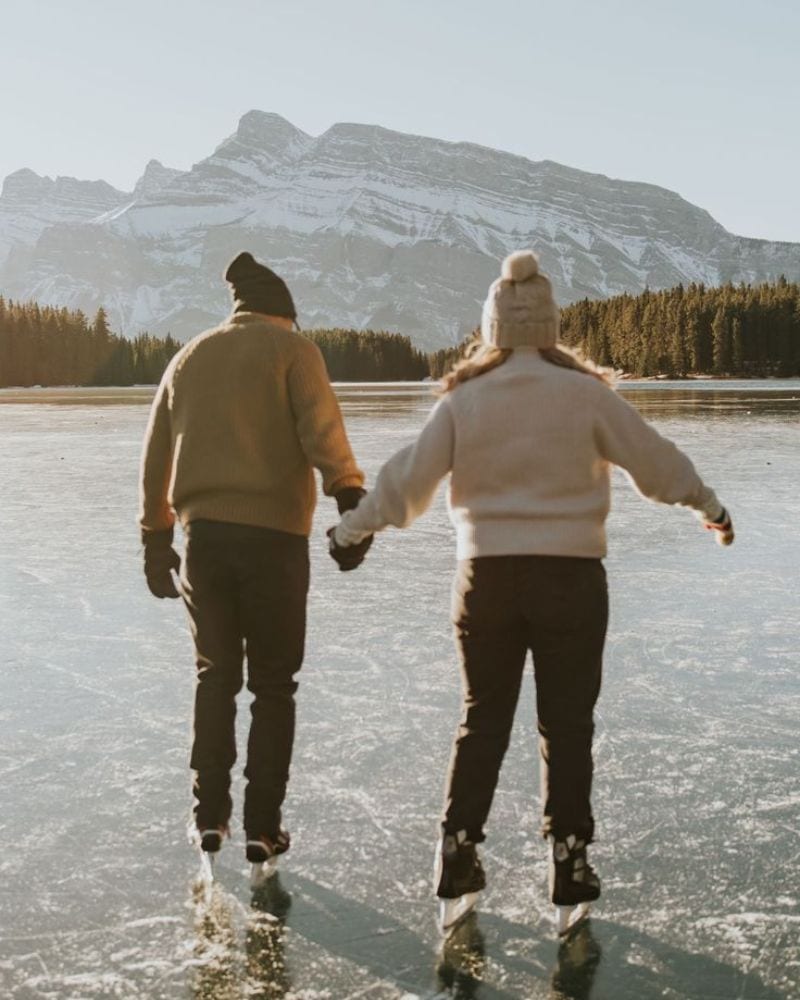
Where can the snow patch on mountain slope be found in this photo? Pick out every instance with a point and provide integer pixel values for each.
(367, 225)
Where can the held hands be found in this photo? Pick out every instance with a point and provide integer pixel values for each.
(723, 526)
(348, 557)
(160, 559)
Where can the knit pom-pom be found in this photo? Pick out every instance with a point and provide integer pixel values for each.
(520, 266)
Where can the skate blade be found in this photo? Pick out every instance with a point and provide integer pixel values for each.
(205, 877)
(261, 871)
(453, 911)
(570, 917)
(206, 868)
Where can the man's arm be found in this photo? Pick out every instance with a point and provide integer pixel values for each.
(155, 513)
(319, 422)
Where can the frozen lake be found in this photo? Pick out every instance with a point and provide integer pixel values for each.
(697, 791)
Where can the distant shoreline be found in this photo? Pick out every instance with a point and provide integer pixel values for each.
(132, 395)
(626, 377)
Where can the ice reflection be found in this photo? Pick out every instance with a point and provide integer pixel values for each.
(229, 968)
(685, 400)
(578, 960)
(462, 961)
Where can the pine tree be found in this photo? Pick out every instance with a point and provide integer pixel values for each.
(721, 337)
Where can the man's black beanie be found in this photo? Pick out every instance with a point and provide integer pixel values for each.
(257, 289)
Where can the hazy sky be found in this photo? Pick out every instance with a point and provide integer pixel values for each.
(702, 97)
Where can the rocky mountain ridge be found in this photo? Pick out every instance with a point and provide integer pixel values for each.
(371, 229)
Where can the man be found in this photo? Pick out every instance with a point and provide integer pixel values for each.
(242, 416)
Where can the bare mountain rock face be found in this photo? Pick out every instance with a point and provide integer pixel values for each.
(371, 229)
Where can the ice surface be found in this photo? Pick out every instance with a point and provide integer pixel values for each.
(697, 748)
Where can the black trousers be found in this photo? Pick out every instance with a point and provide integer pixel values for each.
(503, 606)
(245, 589)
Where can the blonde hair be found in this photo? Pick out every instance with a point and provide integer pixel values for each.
(571, 357)
(481, 357)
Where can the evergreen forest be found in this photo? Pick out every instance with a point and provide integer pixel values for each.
(734, 330)
(741, 330)
(41, 345)
(744, 331)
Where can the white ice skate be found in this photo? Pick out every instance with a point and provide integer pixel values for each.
(263, 854)
(453, 912)
(208, 843)
(574, 884)
(458, 879)
(570, 917)
(260, 871)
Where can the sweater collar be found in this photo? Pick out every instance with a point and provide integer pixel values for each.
(249, 318)
(528, 356)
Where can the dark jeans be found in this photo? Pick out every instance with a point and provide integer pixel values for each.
(503, 606)
(245, 589)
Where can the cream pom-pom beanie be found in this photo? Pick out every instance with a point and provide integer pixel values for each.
(520, 310)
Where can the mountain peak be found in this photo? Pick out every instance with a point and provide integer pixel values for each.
(21, 183)
(155, 177)
(262, 135)
(266, 125)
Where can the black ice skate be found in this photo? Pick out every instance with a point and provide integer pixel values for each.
(208, 841)
(573, 882)
(457, 877)
(263, 853)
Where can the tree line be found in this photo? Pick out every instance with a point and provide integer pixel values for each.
(369, 356)
(744, 330)
(42, 345)
(750, 331)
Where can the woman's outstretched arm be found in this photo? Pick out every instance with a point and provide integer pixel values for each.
(406, 484)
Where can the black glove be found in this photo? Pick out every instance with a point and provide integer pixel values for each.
(347, 499)
(160, 559)
(347, 557)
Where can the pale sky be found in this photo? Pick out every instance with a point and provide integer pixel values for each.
(701, 97)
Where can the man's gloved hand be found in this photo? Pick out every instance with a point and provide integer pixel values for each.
(347, 556)
(347, 499)
(160, 559)
(723, 526)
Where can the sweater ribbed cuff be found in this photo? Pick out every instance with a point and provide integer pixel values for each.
(351, 479)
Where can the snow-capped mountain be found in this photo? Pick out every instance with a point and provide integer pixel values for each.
(371, 229)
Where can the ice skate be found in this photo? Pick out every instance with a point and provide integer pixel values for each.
(458, 879)
(208, 842)
(263, 853)
(573, 883)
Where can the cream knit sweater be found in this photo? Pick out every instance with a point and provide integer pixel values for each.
(529, 447)
(243, 414)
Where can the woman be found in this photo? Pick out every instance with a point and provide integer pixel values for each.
(528, 435)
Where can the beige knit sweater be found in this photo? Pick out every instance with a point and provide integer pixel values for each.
(242, 416)
(528, 448)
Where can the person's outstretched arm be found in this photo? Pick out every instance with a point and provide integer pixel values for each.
(319, 422)
(155, 513)
(406, 484)
(657, 467)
